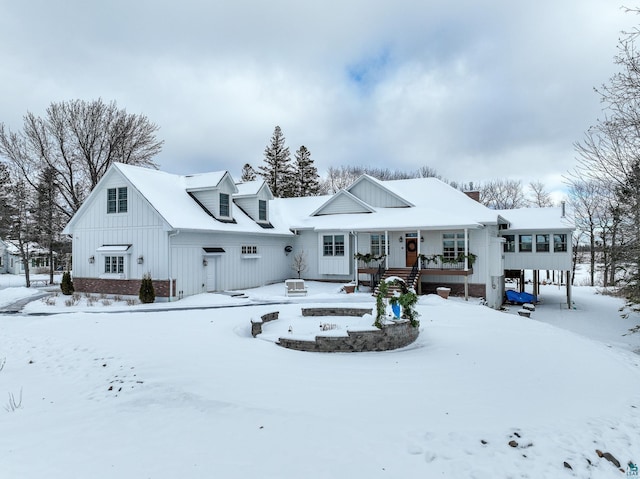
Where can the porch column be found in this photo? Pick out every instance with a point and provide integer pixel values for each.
(419, 266)
(466, 264)
(386, 250)
(355, 259)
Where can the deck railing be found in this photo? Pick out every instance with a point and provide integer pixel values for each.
(439, 261)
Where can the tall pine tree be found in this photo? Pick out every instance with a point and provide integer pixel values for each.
(47, 218)
(305, 174)
(277, 169)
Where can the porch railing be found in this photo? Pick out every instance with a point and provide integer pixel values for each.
(372, 264)
(439, 261)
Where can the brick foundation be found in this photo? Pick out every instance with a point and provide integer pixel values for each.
(476, 290)
(124, 287)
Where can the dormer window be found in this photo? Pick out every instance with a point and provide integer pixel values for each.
(262, 210)
(117, 200)
(224, 205)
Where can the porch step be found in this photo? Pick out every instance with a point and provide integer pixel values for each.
(402, 273)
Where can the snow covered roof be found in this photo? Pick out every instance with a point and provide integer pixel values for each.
(167, 194)
(436, 206)
(203, 180)
(537, 219)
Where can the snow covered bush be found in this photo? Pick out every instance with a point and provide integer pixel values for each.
(147, 294)
(66, 286)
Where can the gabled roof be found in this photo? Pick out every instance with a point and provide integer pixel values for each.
(253, 188)
(167, 194)
(203, 181)
(382, 187)
(349, 204)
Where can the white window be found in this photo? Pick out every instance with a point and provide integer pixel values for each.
(378, 246)
(509, 245)
(560, 243)
(114, 264)
(542, 243)
(333, 245)
(452, 245)
(249, 250)
(117, 200)
(224, 204)
(262, 210)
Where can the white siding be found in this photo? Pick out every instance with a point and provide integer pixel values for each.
(551, 260)
(232, 269)
(375, 196)
(140, 226)
(343, 204)
(210, 199)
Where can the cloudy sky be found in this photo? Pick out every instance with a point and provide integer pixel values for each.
(475, 90)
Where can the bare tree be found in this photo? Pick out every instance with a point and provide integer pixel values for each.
(503, 194)
(79, 140)
(299, 264)
(539, 196)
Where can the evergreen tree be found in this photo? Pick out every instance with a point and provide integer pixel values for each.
(305, 174)
(277, 169)
(7, 211)
(248, 173)
(147, 293)
(66, 286)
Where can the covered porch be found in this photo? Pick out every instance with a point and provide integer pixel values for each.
(414, 256)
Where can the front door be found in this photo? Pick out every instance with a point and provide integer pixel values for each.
(210, 271)
(411, 249)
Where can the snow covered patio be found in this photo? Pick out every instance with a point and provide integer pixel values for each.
(176, 393)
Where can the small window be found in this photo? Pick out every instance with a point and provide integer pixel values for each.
(249, 250)
(509, 245)
(525, 244)
(542, 243)
(117, 200)
(262, 210)
(560, 243)
(114, 264)
(378, 245)
(333, 245)
(224, 204)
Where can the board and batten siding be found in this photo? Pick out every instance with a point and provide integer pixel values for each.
(250, 205)
(375, 196)
(231, 269)
(343, 204)
(140, 226)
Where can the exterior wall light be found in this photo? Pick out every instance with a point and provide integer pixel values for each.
(204, 262)
(92, 259)
(140, 259)
(400, 239)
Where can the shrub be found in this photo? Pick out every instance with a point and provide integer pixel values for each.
(147, 294)
(66, 286)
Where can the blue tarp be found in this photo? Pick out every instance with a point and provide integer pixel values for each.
(520, 298)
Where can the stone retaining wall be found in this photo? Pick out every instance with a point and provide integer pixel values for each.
(335, 311)
(391, 336)
(256, 324)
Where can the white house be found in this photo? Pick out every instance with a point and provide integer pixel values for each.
(200, 233)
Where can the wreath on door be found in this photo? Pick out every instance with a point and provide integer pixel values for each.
(412, 245)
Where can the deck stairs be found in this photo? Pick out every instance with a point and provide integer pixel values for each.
(402, 273)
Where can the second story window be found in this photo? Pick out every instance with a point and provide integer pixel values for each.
(224, 204)
(117, 200)
(262, 210)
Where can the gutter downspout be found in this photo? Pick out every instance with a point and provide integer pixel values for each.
(171, 292)
(355, 260)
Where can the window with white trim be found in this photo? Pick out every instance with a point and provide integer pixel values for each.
(117, 200)
(114, 264)
(452, 245)
(262, 210)
(378, 245)
(542, 243)
(509, 245)
(333, 245)
(525, 244)
(224, 204)
(249, 250)
(560, 243)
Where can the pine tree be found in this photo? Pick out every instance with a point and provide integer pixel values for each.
(277, 169)
(46, 215)
(248, 173)
(7, 210)
(305, 174)
(66, 286)
(147, 293)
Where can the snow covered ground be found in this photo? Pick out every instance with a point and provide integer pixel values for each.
(138, 392)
